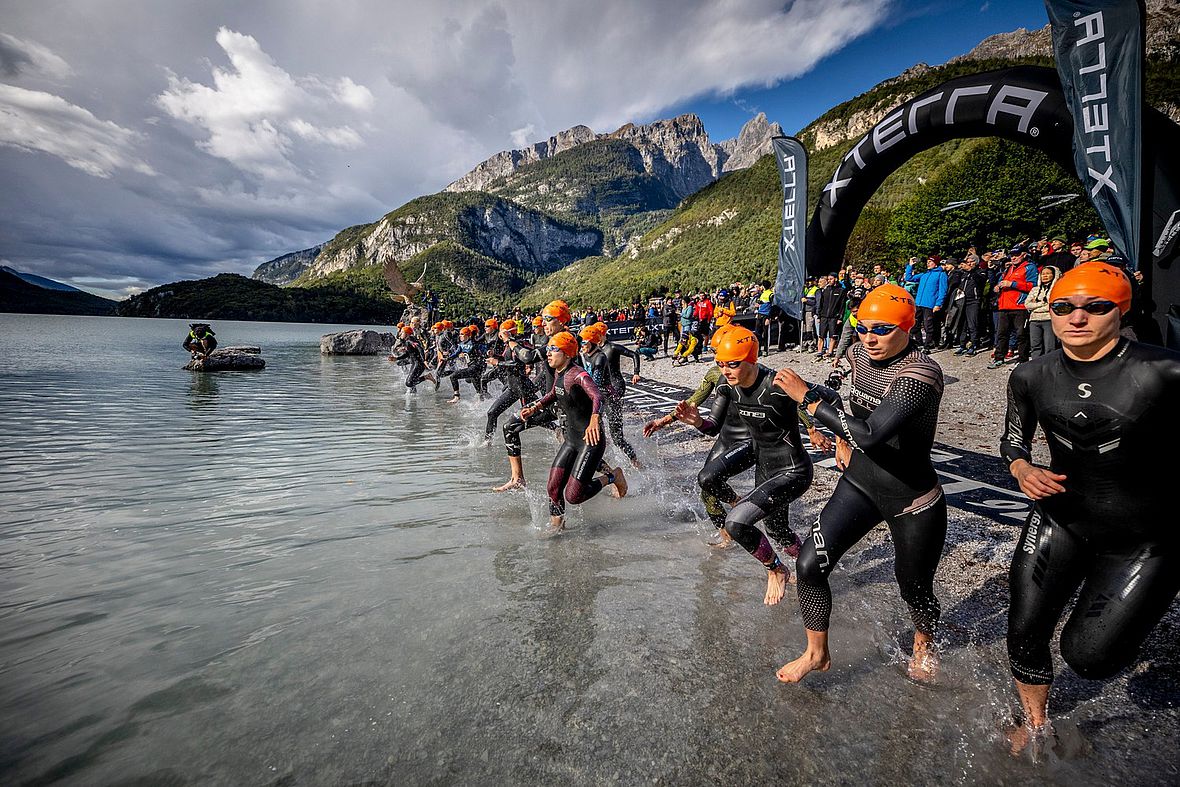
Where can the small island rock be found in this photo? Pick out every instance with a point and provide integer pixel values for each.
(227, 359)
(356, 343)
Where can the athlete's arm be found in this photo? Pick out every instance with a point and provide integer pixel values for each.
(634, 356)
(907, 396)
(1020, 424)
(711, 424)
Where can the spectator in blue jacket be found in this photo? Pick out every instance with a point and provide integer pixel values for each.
(931, 294)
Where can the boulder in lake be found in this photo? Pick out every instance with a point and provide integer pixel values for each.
(226, 359)
(356, 343)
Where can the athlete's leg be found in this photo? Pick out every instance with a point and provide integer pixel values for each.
(614, 424)
(846, 518)
(1048, 566)
(725, 460)
(498, 408)
(776, 492)
(1122, 599)
(582, 484)
(559, 475)
(919, 533)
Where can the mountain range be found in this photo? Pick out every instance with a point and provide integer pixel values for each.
(28, 293)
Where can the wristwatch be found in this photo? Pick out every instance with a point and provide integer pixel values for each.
(811, 397)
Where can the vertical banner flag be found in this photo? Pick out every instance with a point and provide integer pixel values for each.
(792, 168)
(1099, 47)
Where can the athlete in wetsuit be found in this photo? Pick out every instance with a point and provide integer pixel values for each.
(783, 467)
(554, 318)
(884, 448)
(571, 477)
(411, 350)
(512, 369)
(596, 359)
(1103, 519)
(471, 351)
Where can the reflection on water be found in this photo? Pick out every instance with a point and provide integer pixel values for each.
(297, 575)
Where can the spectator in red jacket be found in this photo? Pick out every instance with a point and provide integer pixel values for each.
(1018, 278)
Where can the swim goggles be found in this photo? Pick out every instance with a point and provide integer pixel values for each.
(876, 330)
(1062, 308)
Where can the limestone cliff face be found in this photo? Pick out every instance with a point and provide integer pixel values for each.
(676, 151)
(751, 144)
(506, 162)
(286, 269)
(527, 240)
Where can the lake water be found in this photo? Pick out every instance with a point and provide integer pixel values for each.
(297, 576)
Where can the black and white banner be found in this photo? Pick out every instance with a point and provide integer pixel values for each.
(1099, 47)
(792, 169)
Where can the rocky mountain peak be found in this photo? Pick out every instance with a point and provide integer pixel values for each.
(751, 143)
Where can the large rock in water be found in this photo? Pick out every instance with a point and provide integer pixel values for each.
(226, 359)
(356, 343)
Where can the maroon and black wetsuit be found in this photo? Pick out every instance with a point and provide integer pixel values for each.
(571, 478)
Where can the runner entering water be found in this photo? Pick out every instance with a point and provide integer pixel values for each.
(1102, 519)
(596, 359)
(571, 478)
(884, 448)
(783, 468)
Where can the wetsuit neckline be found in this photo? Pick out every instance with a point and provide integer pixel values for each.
(1089, 370)
(887, 362)
(762, 370)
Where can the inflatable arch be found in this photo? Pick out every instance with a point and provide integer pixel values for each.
(1025, 104)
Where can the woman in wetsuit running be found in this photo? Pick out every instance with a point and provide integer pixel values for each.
(783, 467)
(597, 362)
(1102, 518)
(884, 448)
(571, 477)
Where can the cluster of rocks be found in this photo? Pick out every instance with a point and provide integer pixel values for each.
(356, 343)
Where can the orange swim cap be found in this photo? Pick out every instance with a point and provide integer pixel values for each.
(565, 342)
(537, 322)
(493, 323)
(508, 325)
(448, 324)
(407, 330)
(719, 333)
(467, 330)
(738, 344)
(888, 303)
(591, 334)
(558, 310)
(436, 327)
(1096, 279)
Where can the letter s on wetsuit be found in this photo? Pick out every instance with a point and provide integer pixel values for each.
(784, 468)
(890, 477)
(571, 478)
(1111, 425)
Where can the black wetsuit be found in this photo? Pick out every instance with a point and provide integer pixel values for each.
(571, 478)
(890, 477)
(541, 381)
(518, 386)
(1110, 424)
(445, 346)
(599, 367)
(411, 350)
(731, 453)
(783, 466)
(473, 352)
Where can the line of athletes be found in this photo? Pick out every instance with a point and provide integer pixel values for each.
(1102, 524)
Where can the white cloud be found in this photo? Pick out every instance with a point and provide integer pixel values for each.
(255, 111)
(18, 57)
(36, 121)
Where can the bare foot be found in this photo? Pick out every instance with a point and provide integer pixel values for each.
(508, 486)
(635, 464)
(722, 540)
(776, 585)
(923, 666)
(620, 484)
(1033, 739)
(453, 400)
(556, 527)
(797, 670)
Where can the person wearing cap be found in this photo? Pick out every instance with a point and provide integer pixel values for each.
(1096, 250)
(571, 477)
(410, 350)
(1103, 520)
(596, 360)
(784, 468)
(470, 351)
(883, 446)
(554, 319)
(670, 313)
(1058, 256)
(1016, 280)
(929, 299)
(512, 366)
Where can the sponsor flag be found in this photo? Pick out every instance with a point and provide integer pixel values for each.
(792, 169)
(1099, 49)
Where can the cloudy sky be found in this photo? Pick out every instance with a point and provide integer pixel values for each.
(144, 141)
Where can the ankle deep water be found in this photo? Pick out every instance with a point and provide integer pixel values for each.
(298, 574)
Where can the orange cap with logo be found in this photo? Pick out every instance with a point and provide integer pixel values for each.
(509, 326)
(558, 310)
(565, 342)
(593, 333)
(720, 332)
(493, 323)
(737, 344)
(888, 303)
(537, 322)
(1096, 279)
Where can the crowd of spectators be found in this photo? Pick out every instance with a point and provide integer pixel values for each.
(994, 302)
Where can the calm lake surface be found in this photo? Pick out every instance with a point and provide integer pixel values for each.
(297, 576)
